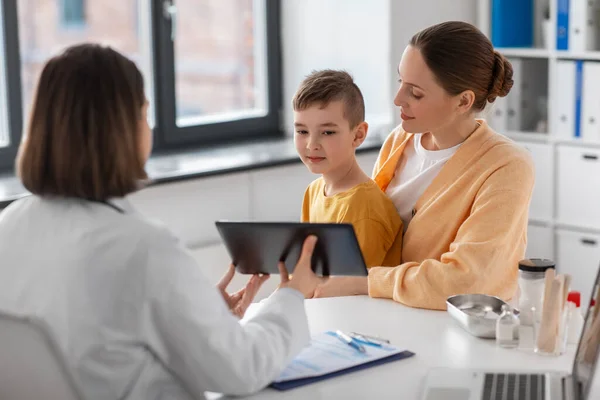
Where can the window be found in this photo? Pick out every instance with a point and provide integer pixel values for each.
(212, 68)
(72, 13)
(115, 23)
(221, 72)
(220, 61)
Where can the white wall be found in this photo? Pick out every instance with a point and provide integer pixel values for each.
(366, 38)
(410, 16)
(339, 34)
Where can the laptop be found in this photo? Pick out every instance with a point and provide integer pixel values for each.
(257, 247)
(463, 384)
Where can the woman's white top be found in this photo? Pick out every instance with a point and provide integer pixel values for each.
(132, 310)
(416, 169)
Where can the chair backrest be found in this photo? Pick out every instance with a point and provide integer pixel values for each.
(31, 365)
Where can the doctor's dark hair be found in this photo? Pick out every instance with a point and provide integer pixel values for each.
(462, 58)
(84, 127)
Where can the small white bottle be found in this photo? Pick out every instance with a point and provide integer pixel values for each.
(507, 328)
(575, 323)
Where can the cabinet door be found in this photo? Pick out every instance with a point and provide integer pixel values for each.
(578, 191)
(540, 242)
(190, 207)
(277, 193)
(540, 207)
(578, 254)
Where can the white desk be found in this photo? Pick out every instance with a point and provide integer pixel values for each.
(434, 336)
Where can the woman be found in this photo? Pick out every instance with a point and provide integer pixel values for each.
(129, 306)
(461, 189)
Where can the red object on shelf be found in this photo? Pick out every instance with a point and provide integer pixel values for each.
(575, 297)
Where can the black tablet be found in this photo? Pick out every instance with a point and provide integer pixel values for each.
(257, 247)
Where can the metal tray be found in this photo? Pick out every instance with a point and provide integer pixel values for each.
(476, 313)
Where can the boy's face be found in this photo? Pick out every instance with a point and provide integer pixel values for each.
(323, 138)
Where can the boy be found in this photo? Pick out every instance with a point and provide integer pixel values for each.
(329, 124)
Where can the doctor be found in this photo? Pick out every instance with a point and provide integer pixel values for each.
(130, 308)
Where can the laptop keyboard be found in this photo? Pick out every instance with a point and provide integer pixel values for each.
(514, 387)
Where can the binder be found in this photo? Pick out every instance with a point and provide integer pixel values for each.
(582, 25)
(578, 95)
(514, 97)
(497, 115)
(512, 23)
(564, 116)
(562, 24)
(590, 102)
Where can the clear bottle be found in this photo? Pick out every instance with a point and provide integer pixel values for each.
(507, 328)
(531, 288)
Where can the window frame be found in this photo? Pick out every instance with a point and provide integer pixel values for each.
(12, 68)
(168, 137)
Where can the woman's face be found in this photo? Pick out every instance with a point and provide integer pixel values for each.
(145, 134)
(424, 105)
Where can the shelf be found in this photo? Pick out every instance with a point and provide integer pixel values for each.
(546, 53)
(524, 52)
(577, 228)
(544, 223)
(577, 142)
(536, 137)
(545, 138)
(586, 55)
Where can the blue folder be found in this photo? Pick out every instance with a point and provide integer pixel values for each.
(307, 381)
(512, 23)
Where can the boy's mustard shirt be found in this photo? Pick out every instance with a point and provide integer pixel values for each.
(469, 230)
(376, 222)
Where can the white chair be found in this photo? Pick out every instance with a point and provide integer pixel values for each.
(31, 364)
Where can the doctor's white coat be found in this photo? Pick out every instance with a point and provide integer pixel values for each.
(131, 309)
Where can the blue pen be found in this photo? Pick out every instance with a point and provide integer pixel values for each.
(367, 338)
(350, 342)
(366, 342)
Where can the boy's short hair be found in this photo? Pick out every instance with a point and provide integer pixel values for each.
(83, 137)
(330, 85)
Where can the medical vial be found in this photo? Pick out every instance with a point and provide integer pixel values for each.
(507, 328)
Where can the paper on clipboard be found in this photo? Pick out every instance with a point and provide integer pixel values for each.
(326, 354)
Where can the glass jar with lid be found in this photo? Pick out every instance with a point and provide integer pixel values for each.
(532, 272)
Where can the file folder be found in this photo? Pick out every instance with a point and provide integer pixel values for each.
(590, 102)
(512, 23)
(565, 104)
(582, 25)
(562, 24)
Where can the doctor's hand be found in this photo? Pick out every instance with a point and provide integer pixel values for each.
(304, 279)
(239, 301)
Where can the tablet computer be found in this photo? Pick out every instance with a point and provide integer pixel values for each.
(257, 247)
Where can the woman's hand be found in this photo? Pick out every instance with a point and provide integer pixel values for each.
(304, 280)
(343, 286)
(239, 301)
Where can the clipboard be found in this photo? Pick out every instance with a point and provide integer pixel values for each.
(287, 385)
(327, 357)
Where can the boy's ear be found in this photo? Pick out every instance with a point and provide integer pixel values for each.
(360, 133)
